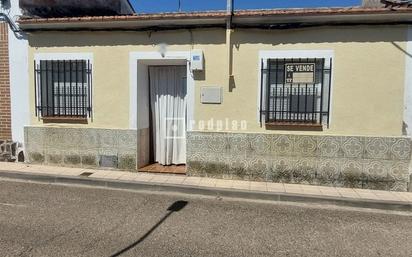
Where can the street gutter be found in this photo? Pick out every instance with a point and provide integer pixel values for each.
(216, 192)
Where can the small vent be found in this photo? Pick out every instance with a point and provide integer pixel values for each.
(108, 161)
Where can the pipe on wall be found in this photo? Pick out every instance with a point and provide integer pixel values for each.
(229, 47)
(13, 26)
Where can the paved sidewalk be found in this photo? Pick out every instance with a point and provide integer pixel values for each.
(336, 193)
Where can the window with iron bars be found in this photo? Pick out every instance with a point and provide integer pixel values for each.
(301, 98)
(63, 88)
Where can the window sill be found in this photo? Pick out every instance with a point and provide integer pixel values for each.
(294, 126)
(70, 120)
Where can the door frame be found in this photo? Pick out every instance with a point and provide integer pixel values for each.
(139, 57)
(177, 69)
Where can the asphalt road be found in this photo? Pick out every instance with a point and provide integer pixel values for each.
(52, 220)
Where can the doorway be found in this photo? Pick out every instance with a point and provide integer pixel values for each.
(167, 93)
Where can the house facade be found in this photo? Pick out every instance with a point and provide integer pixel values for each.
(14, 76)
(315, 96)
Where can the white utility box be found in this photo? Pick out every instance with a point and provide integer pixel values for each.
(211, 95)
(197, 60)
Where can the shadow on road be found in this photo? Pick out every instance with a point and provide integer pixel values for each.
(175, 207)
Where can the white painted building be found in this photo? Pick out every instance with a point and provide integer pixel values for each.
(19, 85)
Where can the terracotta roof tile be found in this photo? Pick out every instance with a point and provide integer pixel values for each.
(28, 20)
(220, 14)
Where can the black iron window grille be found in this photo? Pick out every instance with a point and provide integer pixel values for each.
(63, 88)
(295, 91)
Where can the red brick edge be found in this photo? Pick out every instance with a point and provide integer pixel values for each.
(5, 109)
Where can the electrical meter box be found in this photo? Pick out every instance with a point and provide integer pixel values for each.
(197, 60)
(211, 95)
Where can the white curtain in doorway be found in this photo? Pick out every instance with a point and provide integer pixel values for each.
(168, 107)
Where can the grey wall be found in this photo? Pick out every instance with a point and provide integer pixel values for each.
(346, 161)
(81, 147)
(143, 96)
(361, 162)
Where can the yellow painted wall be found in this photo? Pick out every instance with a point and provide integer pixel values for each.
(367, 96)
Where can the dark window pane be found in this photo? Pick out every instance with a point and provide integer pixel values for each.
(302, 104)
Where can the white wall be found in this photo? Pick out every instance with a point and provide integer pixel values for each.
(408, 85)
(19, 81)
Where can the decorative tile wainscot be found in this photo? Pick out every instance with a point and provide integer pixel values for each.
(344, 161)
(82, 147)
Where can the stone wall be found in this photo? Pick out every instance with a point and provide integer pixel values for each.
(344, 161)
(81, 147)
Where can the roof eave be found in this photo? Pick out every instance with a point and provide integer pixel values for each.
(123, 24)
(389, 18)
(208, 19)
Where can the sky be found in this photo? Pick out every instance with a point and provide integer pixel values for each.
(150, 6)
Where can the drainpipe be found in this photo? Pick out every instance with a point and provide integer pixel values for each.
(229, 12)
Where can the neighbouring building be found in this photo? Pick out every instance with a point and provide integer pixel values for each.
(314, 96)
(5, 114)
(372, 3)
(387, 3)
(14, 105)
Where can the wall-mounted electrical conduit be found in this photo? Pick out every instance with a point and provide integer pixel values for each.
(16, 30)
